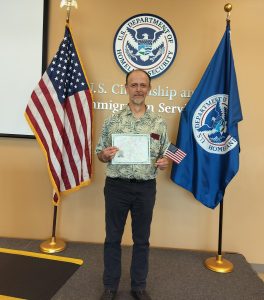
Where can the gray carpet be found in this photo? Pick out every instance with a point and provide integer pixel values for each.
(173, 274)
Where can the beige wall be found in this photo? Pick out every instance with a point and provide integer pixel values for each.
(179, 220)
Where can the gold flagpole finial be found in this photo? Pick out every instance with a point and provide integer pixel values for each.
(228, 8)
(68, 4)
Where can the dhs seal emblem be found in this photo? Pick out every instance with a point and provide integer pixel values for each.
(146, 42)
(209, 125)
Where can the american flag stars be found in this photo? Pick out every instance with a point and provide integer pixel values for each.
(65, 71)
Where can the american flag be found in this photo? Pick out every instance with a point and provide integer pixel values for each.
(60, 115)
(174, 153)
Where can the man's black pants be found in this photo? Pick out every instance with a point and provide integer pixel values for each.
(122, 196)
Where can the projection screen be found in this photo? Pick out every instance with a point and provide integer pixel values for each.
(23, 58)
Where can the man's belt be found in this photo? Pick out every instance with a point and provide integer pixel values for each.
(132, 180)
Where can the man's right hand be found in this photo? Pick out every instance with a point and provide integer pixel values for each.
(107, 154)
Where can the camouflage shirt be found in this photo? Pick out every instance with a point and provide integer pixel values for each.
(125, 122)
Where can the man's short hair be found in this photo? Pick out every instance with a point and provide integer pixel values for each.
(128, 74)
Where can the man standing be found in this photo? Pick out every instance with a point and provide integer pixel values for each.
(131, 187)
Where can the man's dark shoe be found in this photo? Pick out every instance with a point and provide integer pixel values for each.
(140, 295)
(108, 295)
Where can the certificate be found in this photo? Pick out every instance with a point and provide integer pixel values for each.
(133, 148)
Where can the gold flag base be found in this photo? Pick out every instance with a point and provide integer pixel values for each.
(52, 245)
(219, 264)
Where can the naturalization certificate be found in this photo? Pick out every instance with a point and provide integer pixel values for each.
(133, 148)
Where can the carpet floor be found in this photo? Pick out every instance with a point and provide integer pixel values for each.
(173, 274)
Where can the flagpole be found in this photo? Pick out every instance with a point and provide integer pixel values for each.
(53, 244)
(218, 263)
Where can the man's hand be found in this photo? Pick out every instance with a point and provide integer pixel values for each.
(107, 154)
(162, 163)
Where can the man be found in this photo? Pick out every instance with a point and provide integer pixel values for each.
(131, 187)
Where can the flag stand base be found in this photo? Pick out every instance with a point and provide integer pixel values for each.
(52, 245)
(219, 264)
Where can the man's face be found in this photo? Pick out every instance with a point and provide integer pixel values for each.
(137, 87)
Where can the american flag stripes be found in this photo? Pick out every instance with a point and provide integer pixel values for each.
(174, 153)
(60, 115)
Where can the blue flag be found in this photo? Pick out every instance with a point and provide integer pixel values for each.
(208, 130)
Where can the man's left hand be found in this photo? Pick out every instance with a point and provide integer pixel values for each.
(162, 163)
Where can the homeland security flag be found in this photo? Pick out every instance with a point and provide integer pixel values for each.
(60, 115)
(208, 130)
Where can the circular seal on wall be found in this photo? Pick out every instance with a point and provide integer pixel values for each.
(209, 125)
(146, 42)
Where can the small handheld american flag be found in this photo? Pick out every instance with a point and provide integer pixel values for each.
(174, 153)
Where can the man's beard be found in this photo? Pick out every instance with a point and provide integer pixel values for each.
(138, 99)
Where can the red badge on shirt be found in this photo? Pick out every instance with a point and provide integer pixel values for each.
(155, 136)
